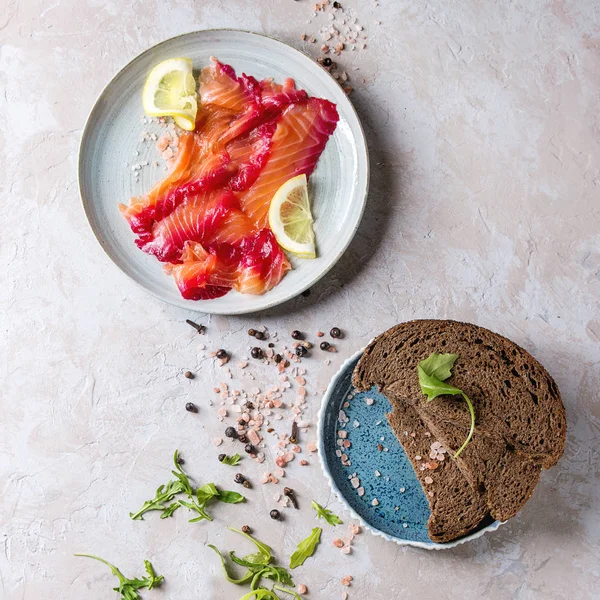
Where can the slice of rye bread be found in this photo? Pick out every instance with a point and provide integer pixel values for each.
(504, 478)
(456, 509)
(515, 399)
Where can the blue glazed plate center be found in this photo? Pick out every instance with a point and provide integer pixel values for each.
(393, 500)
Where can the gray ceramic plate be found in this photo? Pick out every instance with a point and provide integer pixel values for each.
(112, 137)
(401, 511)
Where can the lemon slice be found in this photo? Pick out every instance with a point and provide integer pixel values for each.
(290, 218)
(170, 91)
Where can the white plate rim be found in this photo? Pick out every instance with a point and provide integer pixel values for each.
(197, 306)
(390, 538)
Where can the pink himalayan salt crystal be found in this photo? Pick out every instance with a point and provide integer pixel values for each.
(347, 444)
(280, 473)
(344, 596)
(361, 491)
(428, 480)
(253, 437)
(300, 380)
(343, 434)
(338, 543)
(347, 549)
(277, 403)
(222, 412)
(280, 461)
(347, 580)
(265, 478)
(289, 457)
(375, 502)
(354, 528)
(355, 482)
(296, 449)
(302, 589)
(217, 441)
(163, 143)
(369, 401)
(303, 462)
(311, 447)
(301, 391)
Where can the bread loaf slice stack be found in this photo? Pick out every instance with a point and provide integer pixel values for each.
(520, 424)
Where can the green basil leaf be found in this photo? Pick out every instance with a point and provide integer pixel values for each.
(306, 548)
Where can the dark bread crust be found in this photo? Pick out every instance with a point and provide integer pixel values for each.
(456, 508)
(515, 398)
(520, 418)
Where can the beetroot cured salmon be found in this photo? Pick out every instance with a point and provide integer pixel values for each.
(208, 218)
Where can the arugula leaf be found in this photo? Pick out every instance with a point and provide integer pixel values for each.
(260, 594)
(243, 579)
(433, 371)
(306, 548)
(288, 591)
(263, 556)
(230, 497)
(326, 514)
(128, 587)
(165, 493)
(232, 460)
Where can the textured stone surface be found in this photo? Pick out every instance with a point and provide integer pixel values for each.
(483, 127)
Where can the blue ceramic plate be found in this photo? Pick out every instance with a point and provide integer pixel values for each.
(400, 511)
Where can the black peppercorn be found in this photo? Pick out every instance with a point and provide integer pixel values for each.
(327, 62)
(324, 345)
(188, 375)
(275, 514)
(251, 332)
(249, 448)
(249, 405)
(297, 335)
(337, 5)
(239, 478)
(259, 335)
(180, 460)
(271, 345)
(243, 439)
(301, 351)
(256, 352)
(222, 457)
(246, 483)
(222, 354)
(230, 432)
(246, 529)
(278, 358)
(335, 333)
(191, 407)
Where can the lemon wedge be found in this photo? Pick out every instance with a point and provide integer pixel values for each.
(290, 218)
(170, 91)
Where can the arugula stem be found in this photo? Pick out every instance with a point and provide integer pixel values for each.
(472, 411)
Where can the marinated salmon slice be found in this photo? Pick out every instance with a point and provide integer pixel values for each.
(207, 219)
(300, 138)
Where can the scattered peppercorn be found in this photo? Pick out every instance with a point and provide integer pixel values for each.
(297, 335)
(380, 447)
(239, 478)
(324, 345)
(243, 439)
(289, 492)
(256, 352)
(249, 405)
(180, 460)
(278, 358)
(246, 483)
(275, 514)
(327, 62)
(188, 375)
(246, 529)
(249, 448)
(251, 332)
(222, 354)
(199, 328)
(259, 335)
(337, 5)
(222, 457)
(335, 332)
(191, 407)
(271, 345)
(301, 351)
(230, 432)
(270, 430)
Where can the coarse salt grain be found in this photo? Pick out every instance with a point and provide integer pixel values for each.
(375, 502)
